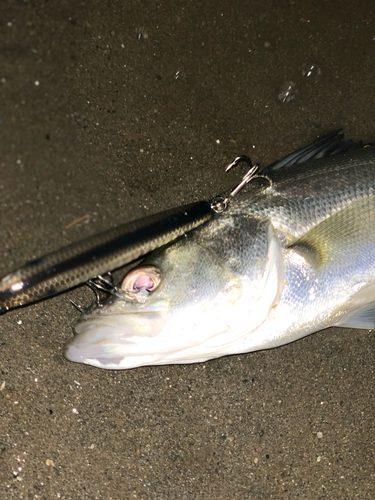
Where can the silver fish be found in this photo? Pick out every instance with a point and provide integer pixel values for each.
(284, 260)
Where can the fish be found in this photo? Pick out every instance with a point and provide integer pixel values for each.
(84, 260)
(292, 254)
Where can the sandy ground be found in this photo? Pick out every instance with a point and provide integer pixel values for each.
(111, 110)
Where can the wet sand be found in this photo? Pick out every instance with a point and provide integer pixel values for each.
(111, 111)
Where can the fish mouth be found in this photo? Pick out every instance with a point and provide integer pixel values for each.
(116, 342)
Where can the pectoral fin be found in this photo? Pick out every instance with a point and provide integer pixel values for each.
(339, 237)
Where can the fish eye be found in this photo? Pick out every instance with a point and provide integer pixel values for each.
(141, 278)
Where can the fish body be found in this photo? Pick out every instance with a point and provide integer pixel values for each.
(283, 261)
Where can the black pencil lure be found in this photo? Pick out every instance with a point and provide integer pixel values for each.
(84, 260)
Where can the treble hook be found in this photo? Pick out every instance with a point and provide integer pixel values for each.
(219, 203)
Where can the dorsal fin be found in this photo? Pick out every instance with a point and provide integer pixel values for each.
(328, 145)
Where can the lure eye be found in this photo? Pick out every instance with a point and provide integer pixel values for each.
(142, 278)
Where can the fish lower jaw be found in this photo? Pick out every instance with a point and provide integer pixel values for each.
(109, 356)
(107, 363)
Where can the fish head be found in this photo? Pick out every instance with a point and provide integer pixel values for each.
(190, 301)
